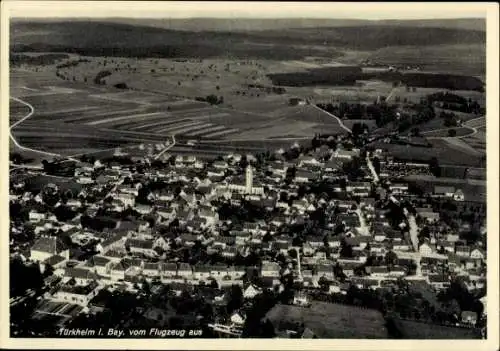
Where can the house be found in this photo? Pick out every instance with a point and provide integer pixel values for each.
(428, 214)
(270, 269)
(301, 299)
(151, 269)
(101, 265)
(325, 271)
(126, 199)
(398, 188)
(397, 271)
(345, 154)
(144, 247)
(55, 262)
(478, 254)
(201, 272)
(438, 281)
(114, 240)
(379, 271)
(278, 169)
(143, 209)
(469, 317)
(308, 161)
(444, 191)
(238, 319)
(304, 176)
(426, 249)
(118, 269)
(185, 270)
(462, 250)
(229, 252)
(445, 245)
(220, 165)
(81, 276)
(334, 287)
(169, 269)
(77, 294)
(35, 216)
(459, 195)
(48, 246)
(333, 166)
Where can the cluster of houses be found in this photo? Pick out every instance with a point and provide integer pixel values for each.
(134, 250)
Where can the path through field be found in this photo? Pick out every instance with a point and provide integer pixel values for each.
(30, 113)
(342, 125)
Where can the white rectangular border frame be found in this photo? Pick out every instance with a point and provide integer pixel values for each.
(269, 9)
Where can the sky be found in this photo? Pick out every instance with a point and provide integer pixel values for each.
(214, 9)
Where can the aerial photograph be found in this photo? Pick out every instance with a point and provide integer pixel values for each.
(254, 177)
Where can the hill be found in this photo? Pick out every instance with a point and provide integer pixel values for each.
(120, 39)
(261, 24)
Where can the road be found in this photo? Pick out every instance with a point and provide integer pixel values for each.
(415, 255)
(342, 125)
(13, 167)
(30, 113)
(372, 169)
(466, 124)
(391, 93)
(364, 229)
(168, 147)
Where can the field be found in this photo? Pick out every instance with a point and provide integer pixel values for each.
(108, 84)
(458, 58)
(74, 117)
(333, 320)
(421, 330)
(443, 133)
(443, 149)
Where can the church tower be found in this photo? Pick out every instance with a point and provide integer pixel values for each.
(249, 180)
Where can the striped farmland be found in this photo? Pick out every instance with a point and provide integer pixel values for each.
(160, 123)
(180, 126)
(186, 128)
(221, 133)
(115, 119)
(208, 130)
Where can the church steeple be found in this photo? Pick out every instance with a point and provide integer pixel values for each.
(249, 179)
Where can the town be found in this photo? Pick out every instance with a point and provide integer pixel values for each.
(325, 239)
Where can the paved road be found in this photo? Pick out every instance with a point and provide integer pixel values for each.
(30, 113)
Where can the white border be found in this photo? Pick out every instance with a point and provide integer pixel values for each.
(243, 9)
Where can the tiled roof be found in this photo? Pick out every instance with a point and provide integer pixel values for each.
(51, 245)
(97, 261)
(53, 260)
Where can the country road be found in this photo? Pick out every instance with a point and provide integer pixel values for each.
(168, 147)
(342, 125)
(30, 113)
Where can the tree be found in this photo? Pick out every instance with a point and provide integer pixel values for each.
(390, 258)
(235, 298)
(415, 132)
(434, 167)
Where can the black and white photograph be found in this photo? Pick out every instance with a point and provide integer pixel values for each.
(245, 170)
